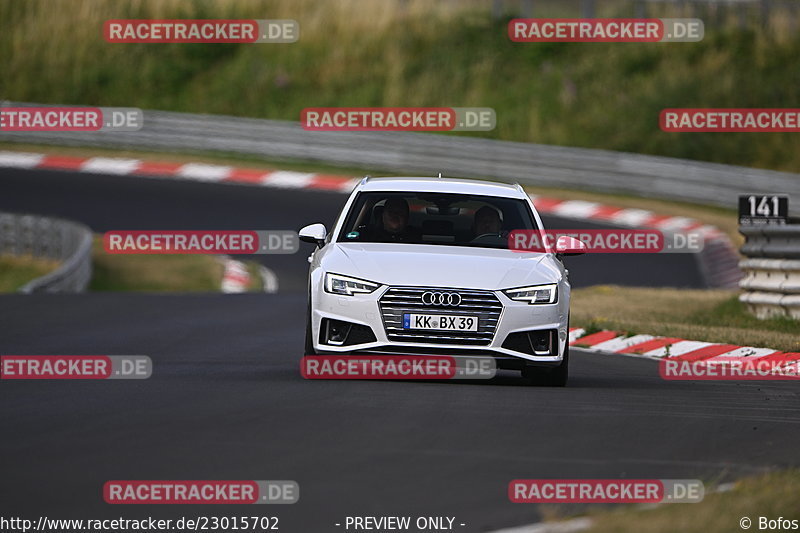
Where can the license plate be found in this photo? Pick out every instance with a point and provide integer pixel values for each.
(441, 322)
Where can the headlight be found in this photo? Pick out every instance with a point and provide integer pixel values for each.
(338, 284)
(538, 294)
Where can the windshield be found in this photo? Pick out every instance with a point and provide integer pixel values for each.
(435, 218)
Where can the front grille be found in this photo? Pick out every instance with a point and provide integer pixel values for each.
(400, 300)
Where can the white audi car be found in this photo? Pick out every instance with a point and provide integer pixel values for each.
(423, 266)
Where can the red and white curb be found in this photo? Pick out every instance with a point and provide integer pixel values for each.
(650, 346)
(268, 279)
(285, 179)
(637, 218)
(719, 260)
(236, 278)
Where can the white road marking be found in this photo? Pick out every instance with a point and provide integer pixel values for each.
(20, 159)
(203, 172)
(620, 343)
(679, 348)
(109, 165)
(288, 179)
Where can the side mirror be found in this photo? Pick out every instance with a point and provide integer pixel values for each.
(314, 233)
(566, 245)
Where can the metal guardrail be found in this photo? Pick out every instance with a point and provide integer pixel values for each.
(773, 241)
(758, 10)
(771, 285)
(427, 154)
(56, 239)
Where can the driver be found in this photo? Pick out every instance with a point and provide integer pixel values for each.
(394, 223)
(487, 221)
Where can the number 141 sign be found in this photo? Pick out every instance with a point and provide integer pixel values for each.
(763, 208)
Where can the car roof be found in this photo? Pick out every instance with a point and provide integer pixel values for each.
(446, 185)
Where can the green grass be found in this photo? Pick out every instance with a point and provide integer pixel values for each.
(159, 272)
(772, 495)
(701, 315)
(359, 53)
(17, 271)
(124, 272)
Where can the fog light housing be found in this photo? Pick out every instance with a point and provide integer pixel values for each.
(540, 341)
(336, 332)
(536, 342)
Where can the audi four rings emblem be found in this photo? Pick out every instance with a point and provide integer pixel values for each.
(452, 299)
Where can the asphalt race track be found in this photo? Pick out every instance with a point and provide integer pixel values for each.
(130, 203)
(226, 400)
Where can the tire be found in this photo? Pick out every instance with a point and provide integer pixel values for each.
(549, 377)
(309, 340)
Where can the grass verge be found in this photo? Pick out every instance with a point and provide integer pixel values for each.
(701, 315)
(17, 271)
(420, 53)
(771, 496)
(160, 273)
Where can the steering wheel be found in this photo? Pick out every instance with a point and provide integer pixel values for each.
(488, 238)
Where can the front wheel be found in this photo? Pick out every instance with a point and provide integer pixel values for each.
(549, 377)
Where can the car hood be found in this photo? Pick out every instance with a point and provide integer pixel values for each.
(441, 266)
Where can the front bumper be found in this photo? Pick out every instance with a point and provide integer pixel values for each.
(514, 317)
